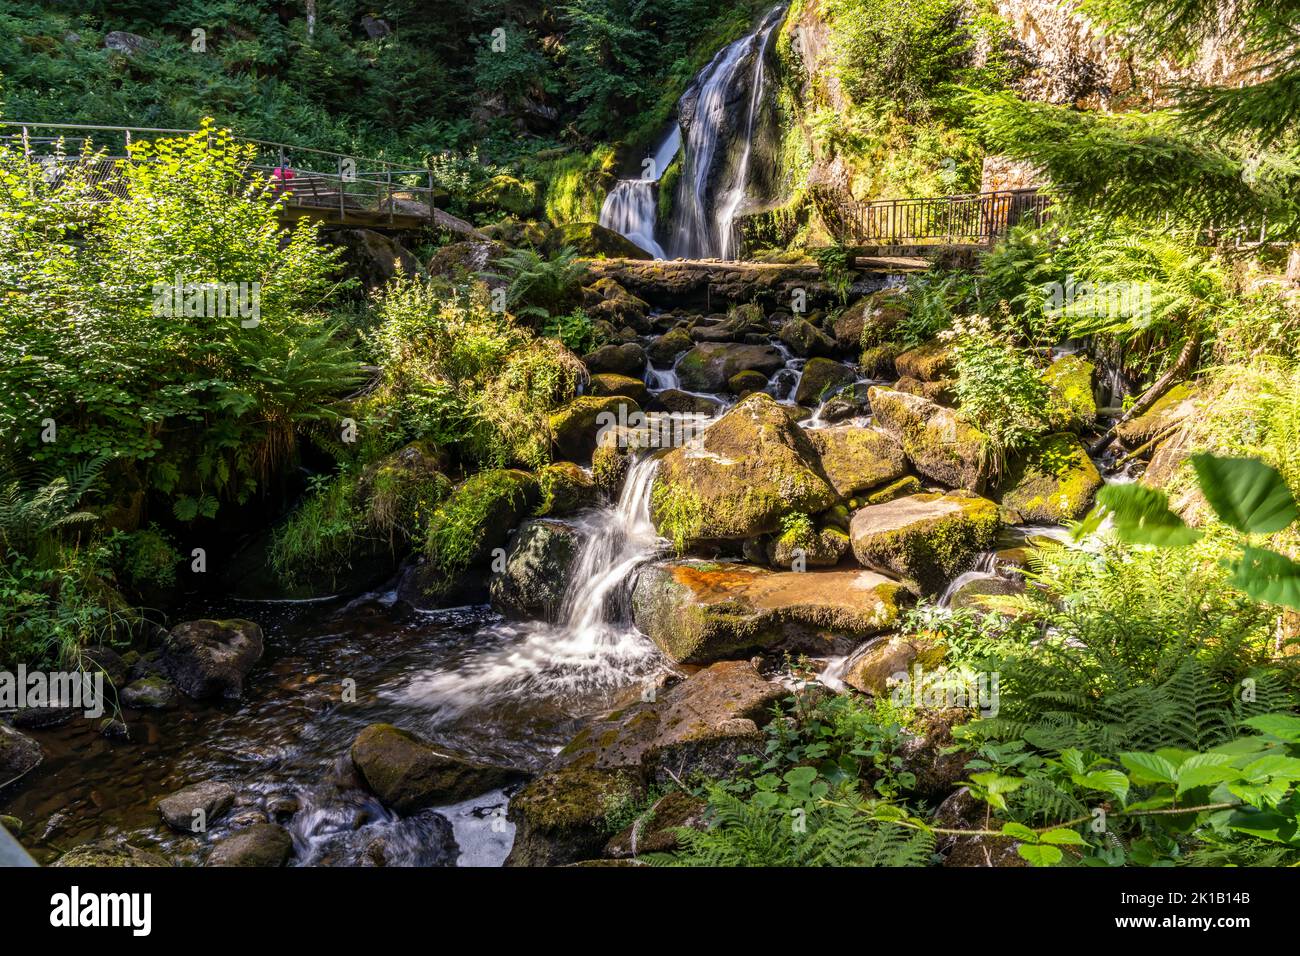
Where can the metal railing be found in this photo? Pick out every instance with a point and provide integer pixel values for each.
(978, 218)
(312, 179)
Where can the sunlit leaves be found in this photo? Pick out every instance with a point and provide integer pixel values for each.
(1246, 494)
(1141, 515)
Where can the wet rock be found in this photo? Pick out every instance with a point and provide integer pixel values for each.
(875, 665)
(211, 658)
(806, 340)
(858, 459)
(611, 384)
(1054, 482)
(665, 349)
(46, 717)
(980, 594)
(408, 774)
(262, 845)
(743, 383)
(926, 539)
(107, 853)
(111, 729)
(850, 402)
(154, 692)
(626, 359)
(537, 566)
(820, 378)
(940, 445)
(566, 488)
(563, 816)
(212, 797)
(699, 611)
(575, 427)
(656, 830)
(1071, 402)
(746, 471)
(19, 754)
(684, 403)
(709, 365)
(931, 362)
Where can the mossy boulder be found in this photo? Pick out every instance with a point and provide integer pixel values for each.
(941, 391)
(508, 194)
(926, 539)
(458, 261)
(563, 815)
(882, 662)
(683, 403)
(739, 478)
(594, 241)
(611, 383)
(938, 442)
(19, 754)
(261, 845)
(871, 321)
(877, 361)
(1071, 401)
(699, 611)
(983, 593)
(1175, 406)
(858, 459)
(407, 773)
(820, 378)
(400, 490)
(709, 365)
(823, 547)
(657, 831)
(576, 425)
(907, 485)
(743, 383)
(618, 306)
(806, 340)
(151, 692)
(665, 349)
(210, 658)
(930, 362)
(566, 488)
(1054, 482)
(106, 853)
(625, 359)
(535, 575)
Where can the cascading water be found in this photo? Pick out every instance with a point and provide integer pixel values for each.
(631, 206)
(713, 183)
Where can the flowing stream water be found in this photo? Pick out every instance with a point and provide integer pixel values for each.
(631, 208)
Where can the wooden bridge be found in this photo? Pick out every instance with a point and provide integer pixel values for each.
(334, 188)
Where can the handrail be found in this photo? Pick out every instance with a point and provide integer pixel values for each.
(982, 217)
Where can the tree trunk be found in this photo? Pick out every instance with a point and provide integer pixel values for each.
(1178, 371)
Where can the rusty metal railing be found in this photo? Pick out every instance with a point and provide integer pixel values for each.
(978, 218)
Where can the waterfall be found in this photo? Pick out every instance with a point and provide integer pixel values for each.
(712, 186)
(631, 206)
(593, 650)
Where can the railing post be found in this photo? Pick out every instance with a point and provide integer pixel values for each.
(27, 146)
(389, 172)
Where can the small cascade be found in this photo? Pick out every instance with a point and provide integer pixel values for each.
(631, 208)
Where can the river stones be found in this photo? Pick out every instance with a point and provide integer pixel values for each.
(1054, 482)
(709, 365)
(806, 340)
(656, 831)
(107, 853)
(1071, 403)
(612, 383)
(873, 666)
(821, 377)
(700, 611)
(678, 402)
(561, 816)
(535, 575)
(625, 359)
(408, 774)
(262, 844)
(940, 445)
(212, 797)
(576, 425)
(858, 459)
(927, 539)
(1172, 408)
(19, 754)
(665, 349)
(211, 658)
(931, 362)
(613, 303)
(743, 383)
(566, 488)
(736, 481)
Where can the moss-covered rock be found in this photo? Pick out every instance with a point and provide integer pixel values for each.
(1071, 402)
(823, 547)
(566, 488)
(877, 361)
(877, 665)
(151, 692)
(508, 194)
(926, 539)
(820, 378)
(611, 383)
(210, 658)
(594, 241)
(743, 383)
(930, 362)
(656, 831)
(616, 305)
(806, 340)
(858, 459)
(109, 854)
(907, 485)
(563, 816)
(709, 365)
(409, 774)
(665, 349)
(745, 472)
(1175, 406)
(698, 611)
(625, 359)
(871, 321)
(683, 403)
(400, 490)
(940, 445)
(517, 232)
(535, 575)
(576, 425)
(941, 391)
(1053, 482)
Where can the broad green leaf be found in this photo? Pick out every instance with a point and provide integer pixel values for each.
(1061, 837)
(1141, 516)
(1040, 854)
(801, 776)
(1284, 726)
(1018, 831)
(1073, 760)
(1266, 825)
(1246, 493)
(1107, 781)
(1148, 768)
(1274, 765)
(1268, 576)
(1203, 775)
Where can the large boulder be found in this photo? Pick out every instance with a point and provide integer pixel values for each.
(876, 666)
(566, 488)
(409, 774)
(262, 844)
(375, 258)
(536, 573)
(821, 377)
(594, 241)
(940, 445)
(103, 854)
(927, 539)
(806, 340)
(683, 403)
(212, 797)
(870, 321)
(740, 477)
(858, 459)
(1054, 482)
(625, 359)
(1071, 403)
(665, 349)
(931, 362)
(211, 658)
(709, 365)
(1171, 409)
(576, 425)
(612, 383)
(563, 816)
(698, 611)
(19, 754)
